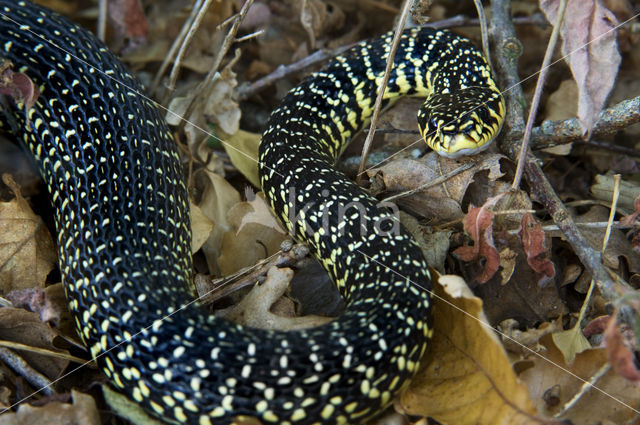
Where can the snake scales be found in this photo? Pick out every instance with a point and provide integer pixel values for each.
(121, 212)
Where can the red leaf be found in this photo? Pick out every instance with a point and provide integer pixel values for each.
(633, 219)
(19, 86)
(478, 223)
(621, 358)
(533, 243)
(596, 326)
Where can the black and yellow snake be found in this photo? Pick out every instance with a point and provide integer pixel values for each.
(121, 211)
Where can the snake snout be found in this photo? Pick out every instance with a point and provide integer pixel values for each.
(461, 122)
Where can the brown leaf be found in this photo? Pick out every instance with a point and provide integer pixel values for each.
(591, 44)
(533, 242)
(25, 327)
(218, 196)
(478, 223)
(83, 411)
(467, 360)
(27, 250)
(442, 200)
(610, 401)
(620, 356)
(254, 232)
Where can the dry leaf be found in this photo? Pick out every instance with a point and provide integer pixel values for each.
(621, 358)
(127, 408)
(602, 189)
(570, 343)
(478, 223)
(254, 232)
(27, 250)
(201, 227)
(611, 399)
(25, 327)
(242, 149)
(467, 377)
(533, 243)
(591, 44)
(83, 411)
(254, 309)
(128, 21)
(218, 196)
(441, 200)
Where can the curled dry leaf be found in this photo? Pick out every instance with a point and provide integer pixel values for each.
(27, 250)
(83, 411)
(201, 227)
(254, 309)
(18, 85)
(621, 358)
(478, 223)
(466, 376)
(617, 247)
(533, 243)
(219, 107)
(36, 300)
(602, 189)
(590, 43)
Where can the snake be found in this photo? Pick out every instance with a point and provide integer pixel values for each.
(121, 212)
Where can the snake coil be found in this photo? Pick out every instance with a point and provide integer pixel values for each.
(121, 212)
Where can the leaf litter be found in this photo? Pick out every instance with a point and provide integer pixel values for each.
(505, 246)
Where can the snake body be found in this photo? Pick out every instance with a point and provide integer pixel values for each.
(121, 213)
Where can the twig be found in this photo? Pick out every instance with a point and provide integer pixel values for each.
(535, 102)
(406, 8)
(101, 29)
(195, 24)
(219, 288)
(22, 368)
(503, 35)
(43, 352)
(177, 43)
(246, 90)
(434, 182)
(205, 86)
(484, 33)
(611, 120)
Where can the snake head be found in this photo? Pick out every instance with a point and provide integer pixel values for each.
(461, 122)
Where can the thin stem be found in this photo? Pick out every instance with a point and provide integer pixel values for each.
(177, 43)
(542, 76)
(406, 8)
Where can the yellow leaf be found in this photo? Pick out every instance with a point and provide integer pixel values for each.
(570, 343)
(242, 149)
(466, 377)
